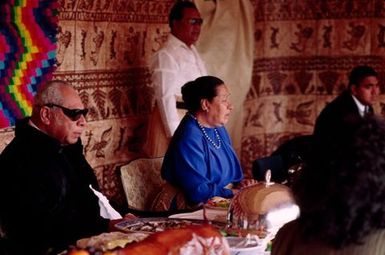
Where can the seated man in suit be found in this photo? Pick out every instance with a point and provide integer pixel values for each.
(355, 102)
(48, 191)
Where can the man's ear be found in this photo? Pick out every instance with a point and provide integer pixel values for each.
(353, 89)
(45, 115)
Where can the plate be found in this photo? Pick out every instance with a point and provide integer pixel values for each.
(218, 203)
(110, 241)
(158, 224)
(240, 246)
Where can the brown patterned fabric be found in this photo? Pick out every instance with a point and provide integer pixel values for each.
(142, 182)
(103, 50)
(156, 142)
(165, 197)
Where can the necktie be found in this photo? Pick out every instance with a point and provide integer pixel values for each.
(367, 111)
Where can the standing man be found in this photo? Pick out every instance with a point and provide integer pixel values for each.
(354, 102)
(48, 191)
(176, 63)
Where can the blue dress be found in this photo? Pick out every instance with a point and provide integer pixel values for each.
(194, 165)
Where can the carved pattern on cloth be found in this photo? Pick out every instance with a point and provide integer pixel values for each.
(119, 102)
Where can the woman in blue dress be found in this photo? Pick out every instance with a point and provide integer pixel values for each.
(200, 159)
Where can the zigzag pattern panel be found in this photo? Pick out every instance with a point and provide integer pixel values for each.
(27, 54)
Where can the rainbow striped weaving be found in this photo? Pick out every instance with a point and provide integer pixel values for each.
(27, 54)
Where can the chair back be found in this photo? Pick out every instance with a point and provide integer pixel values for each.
(274, 164)
(142, 181)
(294, 150)
(288, 155)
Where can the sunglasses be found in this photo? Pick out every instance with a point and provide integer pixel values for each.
(73, 114)
(195, 21)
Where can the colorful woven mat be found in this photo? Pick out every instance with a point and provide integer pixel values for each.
(27, 54)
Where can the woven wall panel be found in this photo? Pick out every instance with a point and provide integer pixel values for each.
(103, 50)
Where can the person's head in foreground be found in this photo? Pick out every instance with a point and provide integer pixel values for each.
(185, 22)
(341, 191)
(59, 112)
(207, 98)
(363, 84)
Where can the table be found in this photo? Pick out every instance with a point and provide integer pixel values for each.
(220, 216)
(211, 214)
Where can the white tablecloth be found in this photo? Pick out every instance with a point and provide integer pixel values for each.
(211, 214)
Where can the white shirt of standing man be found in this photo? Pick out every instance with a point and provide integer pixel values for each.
(176, 63)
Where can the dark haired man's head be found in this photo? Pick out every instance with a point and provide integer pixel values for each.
(185, 22)
(363, 84)
(359, 73)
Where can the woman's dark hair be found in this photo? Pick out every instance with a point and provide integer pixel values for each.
(359, 73)
(176, 12)
(204, 87)
(341, 190)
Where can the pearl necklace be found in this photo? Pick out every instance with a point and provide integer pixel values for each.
(216, 146)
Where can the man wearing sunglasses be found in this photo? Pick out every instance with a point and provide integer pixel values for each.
(176, 63)
(47, 188)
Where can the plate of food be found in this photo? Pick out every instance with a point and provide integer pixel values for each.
(110, 241)
(159, 224)
(220, 203)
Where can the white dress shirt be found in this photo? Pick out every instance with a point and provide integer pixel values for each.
(106, 210)
(172, 66)
(362, 109)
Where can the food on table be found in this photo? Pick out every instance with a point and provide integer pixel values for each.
(269, 245)
(158, 226)
(74, 251)
(150, 225)
(219, 202)
(109, 241)
(188, 240)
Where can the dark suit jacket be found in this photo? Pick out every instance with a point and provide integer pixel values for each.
(45, 200)
(336, 117)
